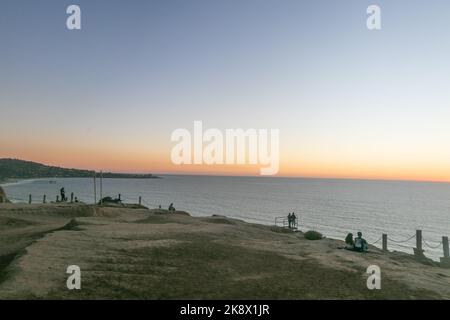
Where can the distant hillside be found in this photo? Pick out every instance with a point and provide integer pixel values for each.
(19, 169)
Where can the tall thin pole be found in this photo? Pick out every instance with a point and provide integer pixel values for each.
(101, 187)
(95, 188)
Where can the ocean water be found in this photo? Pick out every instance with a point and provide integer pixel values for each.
(333, 207)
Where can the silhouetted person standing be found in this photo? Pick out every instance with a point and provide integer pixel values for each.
(289, 219)
(294, 218)
(63, 194)
(3, 198)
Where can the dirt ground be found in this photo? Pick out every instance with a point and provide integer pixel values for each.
(136, 253)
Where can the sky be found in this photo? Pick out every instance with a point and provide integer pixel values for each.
(349, 102)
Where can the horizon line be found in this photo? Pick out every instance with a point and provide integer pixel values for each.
(206, 174)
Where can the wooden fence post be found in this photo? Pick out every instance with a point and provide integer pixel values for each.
(385, 240)
(418, 250)
(419, 240)
(445, 246)
(445, 260)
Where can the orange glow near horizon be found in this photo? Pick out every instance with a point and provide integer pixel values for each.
(313, 161)
(132, 161)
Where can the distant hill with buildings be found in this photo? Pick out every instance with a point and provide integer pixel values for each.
(13, 169)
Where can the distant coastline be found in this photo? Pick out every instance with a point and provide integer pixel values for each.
(14, 170)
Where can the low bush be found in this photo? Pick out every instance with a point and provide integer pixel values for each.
(313, 235)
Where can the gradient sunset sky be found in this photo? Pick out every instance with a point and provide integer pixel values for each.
(349, 102)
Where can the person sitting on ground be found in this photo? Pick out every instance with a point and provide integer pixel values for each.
(294, 220)
(360, 243)
(76, 199)
(289, 219)
(349, 243)
(171, 207)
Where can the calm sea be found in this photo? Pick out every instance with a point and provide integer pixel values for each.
(333, 207)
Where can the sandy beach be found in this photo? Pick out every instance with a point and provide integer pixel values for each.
(137, 253)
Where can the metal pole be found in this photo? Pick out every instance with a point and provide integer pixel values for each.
(95, 188)
(101, 187)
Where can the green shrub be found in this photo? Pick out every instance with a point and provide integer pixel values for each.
(313, 235)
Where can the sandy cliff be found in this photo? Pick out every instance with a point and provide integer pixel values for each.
(136, 253)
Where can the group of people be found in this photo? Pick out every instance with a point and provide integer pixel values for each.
(62, 192)
(357, 244)
(292, 220)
